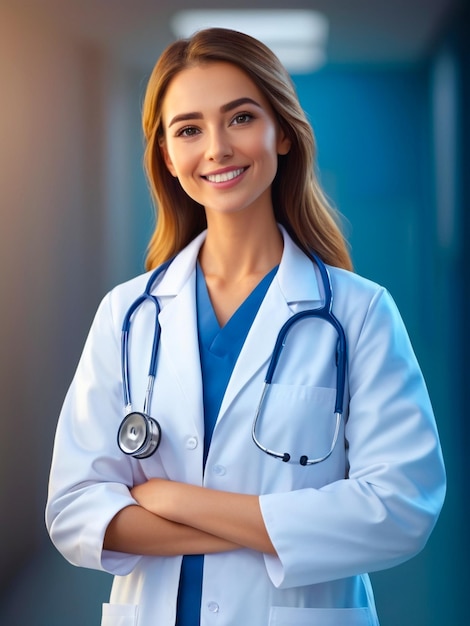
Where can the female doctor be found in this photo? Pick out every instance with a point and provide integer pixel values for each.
(221, 518)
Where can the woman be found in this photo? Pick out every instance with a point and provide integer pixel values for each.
(210, 528)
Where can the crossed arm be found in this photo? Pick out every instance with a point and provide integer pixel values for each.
(174, 518)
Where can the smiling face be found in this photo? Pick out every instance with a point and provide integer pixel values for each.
(221, 138)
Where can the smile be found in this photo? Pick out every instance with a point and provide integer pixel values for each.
(225, 176)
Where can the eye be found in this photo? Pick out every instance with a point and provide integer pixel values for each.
(187, 131)
(242, 118)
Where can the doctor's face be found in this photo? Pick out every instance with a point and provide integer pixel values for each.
(221, 138)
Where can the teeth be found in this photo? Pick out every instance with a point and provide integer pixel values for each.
(223, 178)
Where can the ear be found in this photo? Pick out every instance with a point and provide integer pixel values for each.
(166, 157)
(283, 142)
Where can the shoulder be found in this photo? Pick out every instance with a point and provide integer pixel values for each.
(346, 284)
(125, 293)
(356, 297)
(114, 305)
(164, 284)
(122, 295)
(360, 304)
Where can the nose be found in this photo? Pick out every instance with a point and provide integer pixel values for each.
(219, 146)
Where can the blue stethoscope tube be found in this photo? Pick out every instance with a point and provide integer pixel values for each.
(325, 313)
(139, 435)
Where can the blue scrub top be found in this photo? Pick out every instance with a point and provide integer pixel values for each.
(219, 348)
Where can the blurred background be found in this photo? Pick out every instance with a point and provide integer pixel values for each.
(389, 100)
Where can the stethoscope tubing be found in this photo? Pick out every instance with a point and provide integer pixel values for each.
(325, 313)
(149, 429)
(125, 333)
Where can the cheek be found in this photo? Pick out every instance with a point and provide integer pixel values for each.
(184, 167)
(265, 146)
(265, 152)
(180, 162)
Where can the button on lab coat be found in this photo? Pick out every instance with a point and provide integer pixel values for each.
(371, 505)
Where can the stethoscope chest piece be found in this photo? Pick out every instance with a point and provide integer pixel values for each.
(139, 435)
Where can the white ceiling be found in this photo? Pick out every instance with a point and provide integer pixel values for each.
(361, 31)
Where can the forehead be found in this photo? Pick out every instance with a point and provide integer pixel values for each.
(209, 85)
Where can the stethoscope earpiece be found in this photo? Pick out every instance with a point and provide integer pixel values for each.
(139, 435)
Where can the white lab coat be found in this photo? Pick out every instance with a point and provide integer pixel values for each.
(370, 506)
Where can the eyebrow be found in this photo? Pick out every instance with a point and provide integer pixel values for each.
(225, 108)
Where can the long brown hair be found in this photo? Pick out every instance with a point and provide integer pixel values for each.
(298, 200)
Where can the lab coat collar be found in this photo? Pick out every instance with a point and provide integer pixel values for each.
(180, 269)
(296, 276)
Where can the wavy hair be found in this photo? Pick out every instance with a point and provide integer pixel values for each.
(298, 200)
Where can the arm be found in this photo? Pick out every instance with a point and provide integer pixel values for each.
(89, 484)
(230, 517)
(383, 511)
(157, 536)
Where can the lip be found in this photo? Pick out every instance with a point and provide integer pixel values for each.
(225, 176)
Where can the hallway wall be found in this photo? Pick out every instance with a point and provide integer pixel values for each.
(50, 254)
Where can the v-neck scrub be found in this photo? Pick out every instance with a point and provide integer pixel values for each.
(219, 348)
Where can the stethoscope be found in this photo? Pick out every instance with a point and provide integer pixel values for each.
(139, 435)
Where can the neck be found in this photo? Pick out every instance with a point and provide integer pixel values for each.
(238, 246)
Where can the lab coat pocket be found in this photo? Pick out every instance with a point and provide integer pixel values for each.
(287, 616)
(119, 615)
(298, 419)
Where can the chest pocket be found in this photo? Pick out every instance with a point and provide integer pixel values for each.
(298, 419)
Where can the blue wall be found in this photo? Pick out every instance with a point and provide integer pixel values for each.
(372, 145)
(381, 136)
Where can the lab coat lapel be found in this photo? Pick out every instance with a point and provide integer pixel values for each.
(295, 287)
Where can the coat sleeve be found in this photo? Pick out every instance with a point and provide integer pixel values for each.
(383, 512)
(90, 478)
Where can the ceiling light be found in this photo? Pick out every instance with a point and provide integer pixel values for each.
(298, 37)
